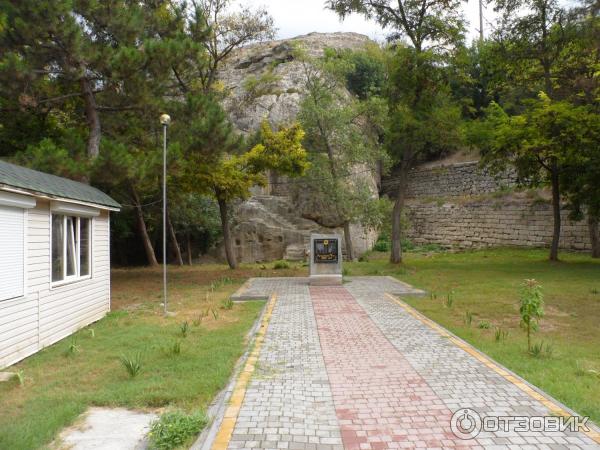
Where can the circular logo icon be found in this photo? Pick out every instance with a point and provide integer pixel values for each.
(465, 424)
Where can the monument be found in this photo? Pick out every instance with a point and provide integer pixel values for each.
(325, 259)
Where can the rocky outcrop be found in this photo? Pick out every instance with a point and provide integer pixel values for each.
(265, 81)
(279, 98)
(268, 228)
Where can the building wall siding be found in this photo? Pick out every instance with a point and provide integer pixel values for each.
(47, 314)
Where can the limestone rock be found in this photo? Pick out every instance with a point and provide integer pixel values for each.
(276, 222)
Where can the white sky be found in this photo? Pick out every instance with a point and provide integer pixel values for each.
(296, 17)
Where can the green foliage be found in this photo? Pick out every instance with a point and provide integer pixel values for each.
(281, 265)
(175, 428)
(468, 318)
(175, 348)
(531, 307)
(484, 325)
(541, 350)
(500, 335)
(73, 348)
(449, 299)
(132, 363)
(184, 328)
(228, 303)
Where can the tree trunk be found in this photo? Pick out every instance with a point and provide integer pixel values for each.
(93, 119)
(555, 213)
(150, 255)
(396, 254)
(594, 236)
(231, 260)
(189, 248)
(348, 239)
(173, 236)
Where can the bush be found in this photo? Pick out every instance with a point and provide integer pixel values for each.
(175, 428)
(281, 265)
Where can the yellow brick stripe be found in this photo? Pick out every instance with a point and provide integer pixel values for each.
(239, 391)
(554, 408)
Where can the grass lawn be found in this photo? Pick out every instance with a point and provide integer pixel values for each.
(486, 284)
(60, 385)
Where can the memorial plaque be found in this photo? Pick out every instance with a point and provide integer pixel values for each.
(326, 251)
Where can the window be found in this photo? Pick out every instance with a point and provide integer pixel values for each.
(70, 247)
(12, 252)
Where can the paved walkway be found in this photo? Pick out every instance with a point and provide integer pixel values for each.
(352, 367)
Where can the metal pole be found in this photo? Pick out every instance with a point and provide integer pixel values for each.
(481, 20)
(165, 214)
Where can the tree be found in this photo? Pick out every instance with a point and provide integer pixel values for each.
(228, 31)
(531, 307)
(432, 30)
(531, 36)
(544, 143)
(343, 150)
(231, 177)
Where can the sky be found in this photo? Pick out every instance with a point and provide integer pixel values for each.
(296, 17)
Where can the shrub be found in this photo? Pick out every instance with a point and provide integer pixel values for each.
(175, 428)
(281, 265)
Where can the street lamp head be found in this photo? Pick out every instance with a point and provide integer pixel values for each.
(165, 119)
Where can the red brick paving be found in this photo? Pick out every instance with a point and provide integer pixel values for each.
(380, 400)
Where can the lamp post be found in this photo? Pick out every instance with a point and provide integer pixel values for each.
(165, 120)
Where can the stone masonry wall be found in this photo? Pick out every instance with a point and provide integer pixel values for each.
(463, 207)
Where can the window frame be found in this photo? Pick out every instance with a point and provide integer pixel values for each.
(69, 279)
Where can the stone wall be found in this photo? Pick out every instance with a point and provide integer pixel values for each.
(463, 207)
(459, 179)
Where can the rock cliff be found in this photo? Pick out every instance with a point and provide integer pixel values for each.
(264, 81)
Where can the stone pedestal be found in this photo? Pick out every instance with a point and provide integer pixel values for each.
(325, 259)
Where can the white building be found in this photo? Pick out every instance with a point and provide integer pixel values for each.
(54, 259)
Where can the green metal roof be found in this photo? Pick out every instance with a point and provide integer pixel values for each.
(44, 183)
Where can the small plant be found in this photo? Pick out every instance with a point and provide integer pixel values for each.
(531, 308)
(449, 299)
(484, 325)
(184, 328)
(132, 364)
(198, 321)
(20, 376)
(433, 296)
(582, 369)
(281, 265)
(594, 291)
(175, 428)
(227, 304)
(73, 348)
(541, 349)
(175, 349)
(500, 335)
(215, 313)
(345, 272)
(468, 318)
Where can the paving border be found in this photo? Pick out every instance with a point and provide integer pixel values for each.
(222, 431)
(555, 406)
(219, 405)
